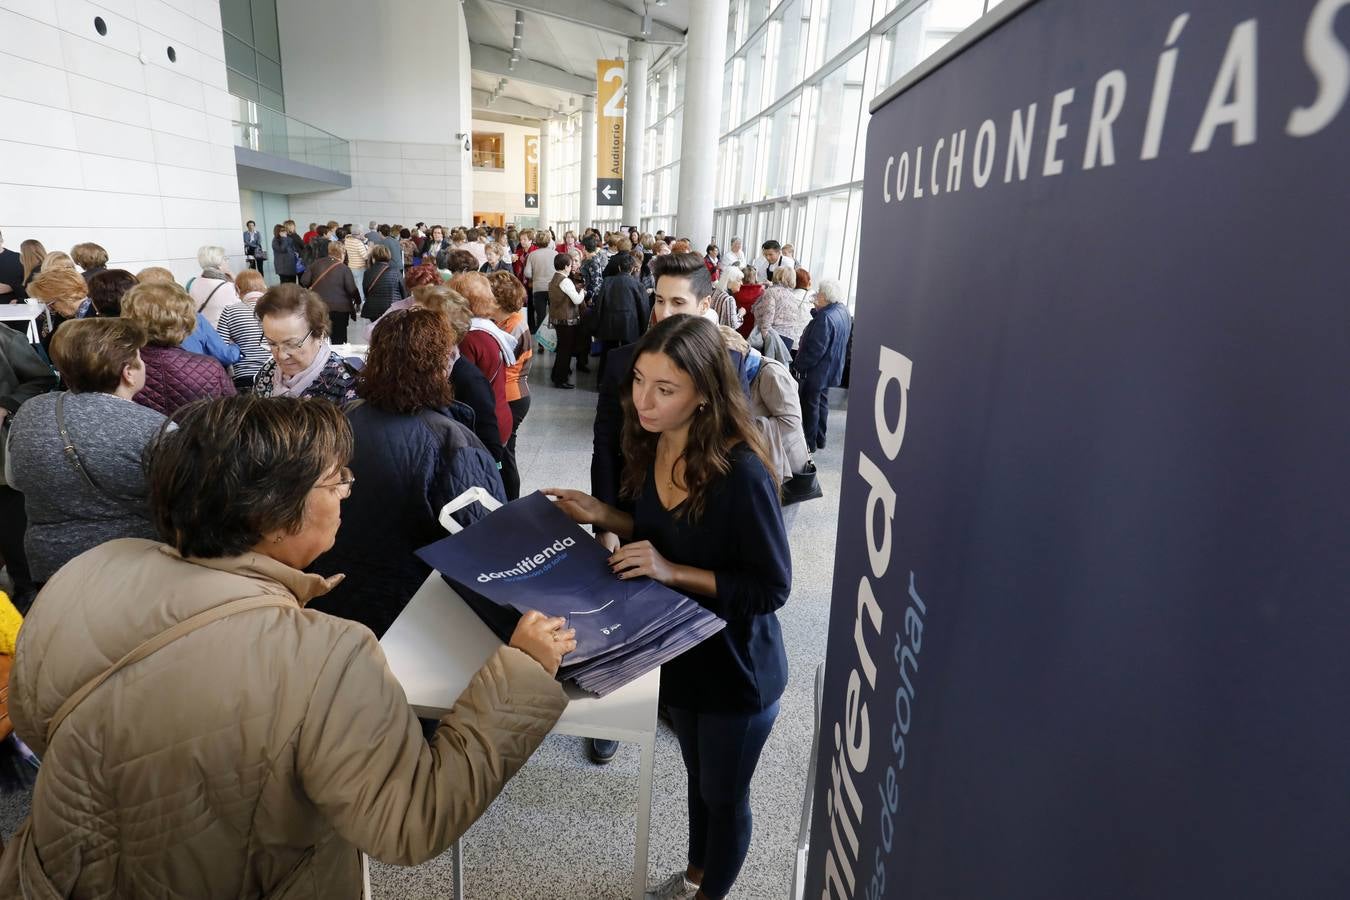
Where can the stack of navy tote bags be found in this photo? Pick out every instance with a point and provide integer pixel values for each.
(530, 555)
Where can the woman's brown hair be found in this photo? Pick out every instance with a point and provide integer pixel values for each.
(90, 354)
(508, 291)
(475, 287)
(89, 255)
(449, 303)
(237, 468)
(695, 346)
(408, 367)
(163, 309)
(107, 288)
(292, 300)
(31, 255)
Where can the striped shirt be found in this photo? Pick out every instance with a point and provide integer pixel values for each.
(240, 326)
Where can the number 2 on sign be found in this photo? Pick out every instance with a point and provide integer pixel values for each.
(614, 106)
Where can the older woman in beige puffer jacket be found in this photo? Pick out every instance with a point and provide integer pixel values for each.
(253, 756)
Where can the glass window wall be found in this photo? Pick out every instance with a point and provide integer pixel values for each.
(799, 75)
(253, 51)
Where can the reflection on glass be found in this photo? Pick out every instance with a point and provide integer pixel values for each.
(265, 130)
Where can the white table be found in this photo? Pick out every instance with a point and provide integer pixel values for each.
(437, 645)
(23, 312)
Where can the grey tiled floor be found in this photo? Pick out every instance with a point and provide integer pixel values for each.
(564, 828)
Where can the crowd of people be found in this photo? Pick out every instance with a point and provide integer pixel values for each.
(174, 454)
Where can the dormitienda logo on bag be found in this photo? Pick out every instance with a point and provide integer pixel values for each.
(530, 566)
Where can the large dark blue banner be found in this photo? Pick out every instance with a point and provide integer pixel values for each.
(1090, 634)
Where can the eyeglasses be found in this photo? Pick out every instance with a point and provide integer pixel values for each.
(292, 346)
(343, 485)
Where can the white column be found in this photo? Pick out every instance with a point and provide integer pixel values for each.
(635, 131)
(587, 205)
(705, 62)
(545, 182)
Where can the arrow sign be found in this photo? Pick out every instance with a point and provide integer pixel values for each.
(609, 192)
(532, 200)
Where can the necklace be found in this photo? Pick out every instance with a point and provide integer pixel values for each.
(669, 478)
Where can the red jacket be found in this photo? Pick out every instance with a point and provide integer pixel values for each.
(484, 352)
(745, 298)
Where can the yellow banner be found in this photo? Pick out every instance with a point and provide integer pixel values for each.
(532, 171)
(612, 91)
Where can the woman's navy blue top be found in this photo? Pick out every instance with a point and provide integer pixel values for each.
(740, 537)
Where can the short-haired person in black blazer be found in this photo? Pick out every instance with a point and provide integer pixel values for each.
(706, 520)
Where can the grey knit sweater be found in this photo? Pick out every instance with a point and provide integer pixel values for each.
(65, 515)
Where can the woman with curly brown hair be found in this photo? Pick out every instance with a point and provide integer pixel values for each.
(413, 455)
(705, 521)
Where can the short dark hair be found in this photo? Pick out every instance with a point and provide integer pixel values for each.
(293, 300)
(461, 261)
(250, 222)
(237, 468)
(684, 265)
(562, 261)
(383, 230)
(623, 261)
(406, 367)
(770, 245)
(404, 234)
(106, 289)
(590, 243)
(321, 230)
(91, 353)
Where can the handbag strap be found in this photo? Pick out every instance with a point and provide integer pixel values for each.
(378, 277)
(165, 637)
(72, 455)
(322, 275)
(209, 296)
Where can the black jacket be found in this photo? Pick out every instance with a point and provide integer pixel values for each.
(407, 467)
(383, 284)
(621, 309)
(606, 451)
(283, 255)
(474, 390)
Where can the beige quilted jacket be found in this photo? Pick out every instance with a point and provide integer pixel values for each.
(250, 758)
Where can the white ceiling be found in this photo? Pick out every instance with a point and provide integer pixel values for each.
(562, 44)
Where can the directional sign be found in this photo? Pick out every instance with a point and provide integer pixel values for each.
(532, 171)
(609, 192)
(612, 90)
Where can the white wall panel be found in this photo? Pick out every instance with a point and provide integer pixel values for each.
(134, 154)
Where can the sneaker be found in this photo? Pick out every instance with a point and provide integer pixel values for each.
(676, 887)
(600, 751)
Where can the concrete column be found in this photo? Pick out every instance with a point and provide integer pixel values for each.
(586, 209)
(705, 62)
(635, 130)
(545, 182)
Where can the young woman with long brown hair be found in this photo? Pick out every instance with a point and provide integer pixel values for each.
(707, 522)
